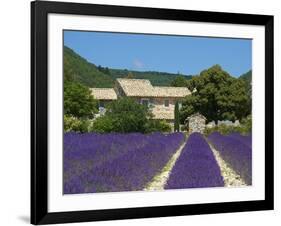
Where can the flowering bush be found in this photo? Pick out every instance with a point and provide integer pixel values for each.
(74, 124)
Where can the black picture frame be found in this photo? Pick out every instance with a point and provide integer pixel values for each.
(39, 112)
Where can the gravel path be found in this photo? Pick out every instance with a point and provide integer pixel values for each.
(159, 181)
(231, 179)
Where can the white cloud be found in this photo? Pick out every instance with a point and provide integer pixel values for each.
(138, 64)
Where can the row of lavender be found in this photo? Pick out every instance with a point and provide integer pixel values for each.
(236, 150)
(247, 140)
(82, 151)
(115, 162)
(196, 166)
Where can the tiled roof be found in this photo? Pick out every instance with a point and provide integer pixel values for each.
(162, 91)
(143, 88)
(104, 93)
(135, 87)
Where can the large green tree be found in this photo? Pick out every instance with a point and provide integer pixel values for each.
(123, 115)
(78, 101)
(179, 81)
(130, 75)
(217, 96)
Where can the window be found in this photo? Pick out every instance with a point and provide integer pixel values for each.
(180, 105)
(145, 102)
(166, 103)
(101, 104)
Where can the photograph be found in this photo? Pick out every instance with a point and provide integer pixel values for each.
(151, 112)
(140, 112)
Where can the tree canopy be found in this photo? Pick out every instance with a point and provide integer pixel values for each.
(247, 77)
(217, 96)
(125, 115)
(179, 81)
(130, 75)
(78, 101)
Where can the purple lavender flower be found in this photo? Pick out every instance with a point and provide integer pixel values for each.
(236, 153)
(247, 140)
(115, 162)
(196, 166)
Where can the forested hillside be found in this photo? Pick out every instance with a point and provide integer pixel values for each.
(78, 69)
(247, 77)
(156, 78)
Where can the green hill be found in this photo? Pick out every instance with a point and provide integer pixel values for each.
(247, 77)
(156, 78)
(78, 69)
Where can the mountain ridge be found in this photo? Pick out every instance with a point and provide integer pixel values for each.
(78, 69)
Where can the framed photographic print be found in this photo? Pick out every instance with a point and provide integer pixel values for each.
(144, 112)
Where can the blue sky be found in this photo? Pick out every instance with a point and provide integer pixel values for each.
(183, 54)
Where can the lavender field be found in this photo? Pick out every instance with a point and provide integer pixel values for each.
(116, 162)
(196, 167)
(236, 150)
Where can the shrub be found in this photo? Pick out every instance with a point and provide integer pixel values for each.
(103, 124)
(74, 124)
(127, 115)
(184, 128)
(245, 128)
(107, 124)
(247, 124)
(223, 129)
(154, 125)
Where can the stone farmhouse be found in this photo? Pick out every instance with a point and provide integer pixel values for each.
(161, 100)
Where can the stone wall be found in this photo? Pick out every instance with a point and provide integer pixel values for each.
(158, 108)
(212, 124)
(229, 123)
